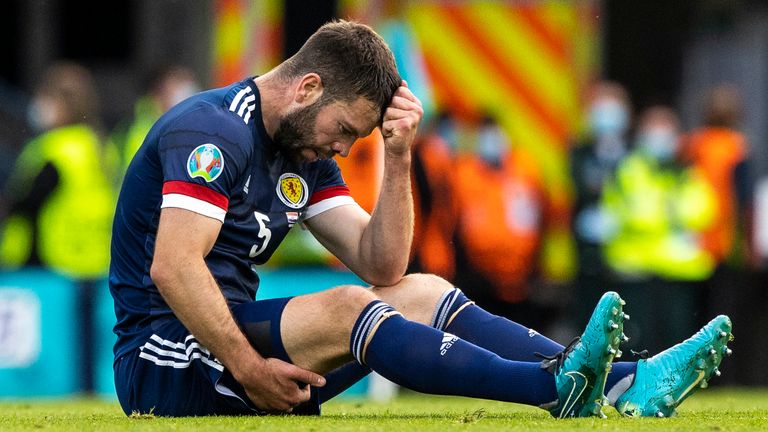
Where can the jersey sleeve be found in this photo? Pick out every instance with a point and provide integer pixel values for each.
(203, 153)
(331, 191)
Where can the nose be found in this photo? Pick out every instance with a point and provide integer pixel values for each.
(341, 149)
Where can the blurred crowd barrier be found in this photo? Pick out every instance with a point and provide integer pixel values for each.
(56, 334)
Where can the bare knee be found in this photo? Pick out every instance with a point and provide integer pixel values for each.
(316, 328)
(349, 298)
(427, 281)
(421, 285)
(415, 296)
(343, 303)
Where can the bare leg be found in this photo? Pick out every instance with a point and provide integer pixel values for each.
(415, 296)
(316, 328)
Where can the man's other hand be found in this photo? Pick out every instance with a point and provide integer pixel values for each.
(401, 119)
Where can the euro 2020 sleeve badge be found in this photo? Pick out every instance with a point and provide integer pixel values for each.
(205, 161)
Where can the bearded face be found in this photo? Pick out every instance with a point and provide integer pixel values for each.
(296, 131)
(324, 129)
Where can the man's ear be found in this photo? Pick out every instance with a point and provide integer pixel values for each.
(308, 90)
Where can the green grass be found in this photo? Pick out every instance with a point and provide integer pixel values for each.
(712, 410)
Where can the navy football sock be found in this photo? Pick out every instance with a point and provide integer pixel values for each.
(456, 314)
(341, 379)
(430, 361)
(472, 323)
(619, 380)
(506, 338)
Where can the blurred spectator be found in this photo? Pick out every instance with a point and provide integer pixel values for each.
(58, 197)
(760, 234)
(503, 210)
(165, 87)
(719, 150)
(13, 128)
(593, 162)
(660, 208)
(434, 204)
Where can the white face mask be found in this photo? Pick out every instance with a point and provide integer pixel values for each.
(181, 91)
(491, 144)
(42, 114)
(659, 142)
(608, 117)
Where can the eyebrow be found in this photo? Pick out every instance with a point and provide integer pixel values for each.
(351, 128)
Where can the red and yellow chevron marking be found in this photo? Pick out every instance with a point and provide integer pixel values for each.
(247, 38)
(516, 59)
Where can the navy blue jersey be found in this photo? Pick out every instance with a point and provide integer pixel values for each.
(210, 155)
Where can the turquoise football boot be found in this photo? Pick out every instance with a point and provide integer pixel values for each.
(581, 369)
(663, 381)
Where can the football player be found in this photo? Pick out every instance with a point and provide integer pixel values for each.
(215, 187)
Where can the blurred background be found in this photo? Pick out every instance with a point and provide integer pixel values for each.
(568, 148)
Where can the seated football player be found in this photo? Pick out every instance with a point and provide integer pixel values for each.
(215, 187)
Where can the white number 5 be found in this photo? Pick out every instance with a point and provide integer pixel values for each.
(264, 233)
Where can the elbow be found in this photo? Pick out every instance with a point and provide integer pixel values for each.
(161, 272)
(384, 276)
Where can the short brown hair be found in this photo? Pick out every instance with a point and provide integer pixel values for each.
(723, 106)
(352, 61)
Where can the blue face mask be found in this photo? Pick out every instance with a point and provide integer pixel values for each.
(491, 145)
(608, 117)
(659, 143)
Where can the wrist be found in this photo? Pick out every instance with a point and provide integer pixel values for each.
(402, 157)
(249, 365)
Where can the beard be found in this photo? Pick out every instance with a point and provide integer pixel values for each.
(296, 131)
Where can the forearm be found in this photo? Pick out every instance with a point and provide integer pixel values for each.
(386, 241)
(192, 293)
(377, 247)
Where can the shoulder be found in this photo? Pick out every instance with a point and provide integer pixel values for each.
(205, 117)
(204, 122)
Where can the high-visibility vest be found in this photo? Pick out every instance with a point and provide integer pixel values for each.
(129, 138)
(716, 152)
(501, 218)
(659, 214)
(74, 224)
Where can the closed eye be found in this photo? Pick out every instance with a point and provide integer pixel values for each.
(345, 131)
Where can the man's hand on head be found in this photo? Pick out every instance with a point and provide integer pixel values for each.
(401, 120)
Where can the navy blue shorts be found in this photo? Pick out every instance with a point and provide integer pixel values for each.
(171, 374)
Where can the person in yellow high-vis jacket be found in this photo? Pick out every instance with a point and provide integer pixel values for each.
(659, 208)
(166, 86)
(59, 197)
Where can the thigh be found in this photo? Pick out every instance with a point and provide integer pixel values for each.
(316, 329)
(260, 321)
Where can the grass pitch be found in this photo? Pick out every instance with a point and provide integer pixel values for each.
(711, 410)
